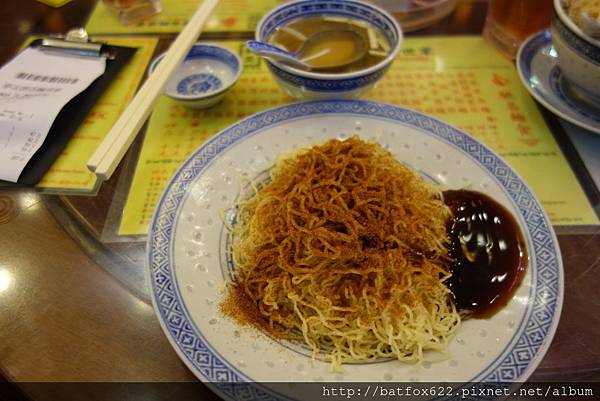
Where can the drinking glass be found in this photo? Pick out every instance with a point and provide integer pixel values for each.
(510, 22)
(130, 11)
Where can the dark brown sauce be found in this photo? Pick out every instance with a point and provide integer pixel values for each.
(488, 253)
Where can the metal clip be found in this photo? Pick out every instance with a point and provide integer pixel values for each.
(76, 42)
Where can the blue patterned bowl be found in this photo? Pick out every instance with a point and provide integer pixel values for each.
(578, 55)
(312, 85)
(204, 77)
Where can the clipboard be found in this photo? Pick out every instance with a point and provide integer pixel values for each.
(76, 110)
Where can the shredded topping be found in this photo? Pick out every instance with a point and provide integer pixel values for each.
(345, 249)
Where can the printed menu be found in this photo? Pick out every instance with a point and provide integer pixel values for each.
(461, 80)
(229, 16)
(69, 172)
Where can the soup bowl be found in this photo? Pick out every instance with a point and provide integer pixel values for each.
(303, 84)
(578, 55)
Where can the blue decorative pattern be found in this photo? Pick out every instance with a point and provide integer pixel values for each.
(557, 83)
(265, 48)
(530, 49)
(585, 49)
(327, 85)
(215, 53)
(561, 88)
(546, 269)
(198, 83)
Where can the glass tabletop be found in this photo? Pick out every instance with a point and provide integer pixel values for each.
(77, 304)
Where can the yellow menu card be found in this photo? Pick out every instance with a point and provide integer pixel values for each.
(229, 16)
(461, 80)
(69, 173)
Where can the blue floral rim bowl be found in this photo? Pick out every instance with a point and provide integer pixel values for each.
(578, 56)
(204, 77)
(313, 85)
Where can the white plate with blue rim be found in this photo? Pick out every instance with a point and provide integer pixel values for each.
(537, 63)
(188, 264)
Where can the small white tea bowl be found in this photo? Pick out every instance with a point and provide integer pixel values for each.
(206, 74)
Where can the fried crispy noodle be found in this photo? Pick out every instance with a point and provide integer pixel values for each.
(575, 8)
(345, 249)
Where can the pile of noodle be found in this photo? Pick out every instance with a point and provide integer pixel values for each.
(576, 8)
(345, 249)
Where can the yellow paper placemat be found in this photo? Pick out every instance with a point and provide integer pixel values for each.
(69, 172)
(229, 16)
(461, 80)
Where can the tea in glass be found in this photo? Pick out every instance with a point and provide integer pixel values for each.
(130, 11)
(510, 22)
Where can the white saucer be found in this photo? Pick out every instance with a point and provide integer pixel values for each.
(537, 64)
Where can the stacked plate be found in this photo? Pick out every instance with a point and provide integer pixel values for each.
(537, 63)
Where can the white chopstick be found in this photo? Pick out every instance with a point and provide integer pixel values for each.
(109, 153)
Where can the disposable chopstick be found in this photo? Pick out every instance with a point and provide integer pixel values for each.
(109, 153)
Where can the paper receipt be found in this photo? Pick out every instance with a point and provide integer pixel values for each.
(34, 87)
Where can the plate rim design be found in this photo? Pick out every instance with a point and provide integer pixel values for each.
(529, 48)
(523, 351)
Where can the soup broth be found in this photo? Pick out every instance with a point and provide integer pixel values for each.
(341, 44)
